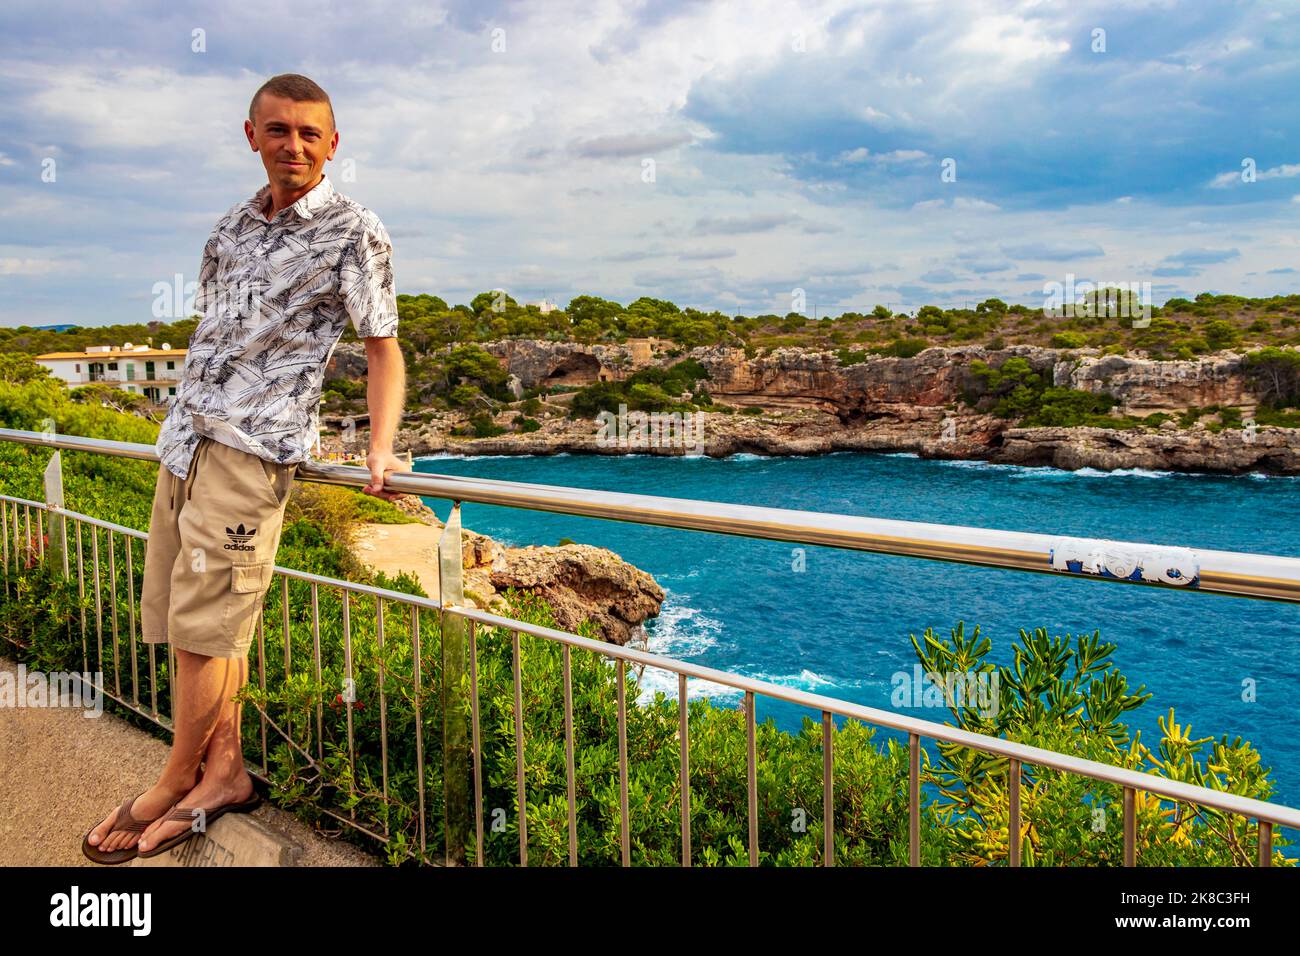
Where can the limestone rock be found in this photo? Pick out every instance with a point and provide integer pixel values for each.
(582, 582)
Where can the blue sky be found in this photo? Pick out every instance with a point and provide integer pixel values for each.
(794, 146)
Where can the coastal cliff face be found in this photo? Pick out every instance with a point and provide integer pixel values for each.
(813, 404)
(929, 433)
(876, 387)
(579, 582)
(1231, 451)
(1144, 387)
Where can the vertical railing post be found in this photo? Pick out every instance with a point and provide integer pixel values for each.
(1130, 826)
(1013, 814)
(913, 800)
(455, 749)
(1265, 843)
(56, 526)
(828, 789)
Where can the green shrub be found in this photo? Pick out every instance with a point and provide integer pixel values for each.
(851, 356)
(1069, 340)
(484, 427)
(904, 348)
(649, 389)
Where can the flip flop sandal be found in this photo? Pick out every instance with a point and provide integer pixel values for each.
(189, 815)
(122, 822)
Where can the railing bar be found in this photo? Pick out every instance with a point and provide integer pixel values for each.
(89, 519)
(1013, 814)
(315, 641)
(171, 683)
(112, 591)
(284, 632)
(151, 648)
(4, 539)
(751, 774)
(99, 600)
(261, 681)
(351, 686)
(913, 800)
(383, 703)
(81, 602)
(519, 750)
(40, 535)
(571, 790)
(1130, 826)
(478, 747)
(828, 789)
(130, 597)
(63, 533)
(624, 825)
(419, 724)
(684, 777)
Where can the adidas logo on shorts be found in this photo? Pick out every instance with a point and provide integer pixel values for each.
(239, 539)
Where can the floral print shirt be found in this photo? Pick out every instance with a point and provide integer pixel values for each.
(274, 297)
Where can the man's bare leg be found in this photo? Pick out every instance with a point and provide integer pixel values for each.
(224, 778)
(204, 686)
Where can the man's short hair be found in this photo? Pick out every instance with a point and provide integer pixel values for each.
(292, 86)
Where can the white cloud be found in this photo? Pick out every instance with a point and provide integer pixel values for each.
(1284, 171)
(1010, 41)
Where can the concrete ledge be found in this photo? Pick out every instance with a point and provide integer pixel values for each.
(236, 839)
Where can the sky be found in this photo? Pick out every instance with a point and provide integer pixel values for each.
(721, 155)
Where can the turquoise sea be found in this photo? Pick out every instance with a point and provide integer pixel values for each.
(840, 626)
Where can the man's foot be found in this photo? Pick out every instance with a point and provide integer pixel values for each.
(150, 805)
(210, 794)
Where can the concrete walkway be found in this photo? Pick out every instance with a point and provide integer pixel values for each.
(61, 773)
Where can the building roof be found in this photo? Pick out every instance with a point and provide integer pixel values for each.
(113, 355)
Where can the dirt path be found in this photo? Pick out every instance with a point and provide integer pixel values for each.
(393, 548)
(60, 773)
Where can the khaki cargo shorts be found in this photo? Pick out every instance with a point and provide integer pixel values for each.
(211, 551)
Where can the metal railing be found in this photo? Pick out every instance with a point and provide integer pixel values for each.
(1248, 575)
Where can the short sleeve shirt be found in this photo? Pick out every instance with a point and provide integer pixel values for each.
(274, 297)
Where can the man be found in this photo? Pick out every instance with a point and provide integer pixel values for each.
(281, 276)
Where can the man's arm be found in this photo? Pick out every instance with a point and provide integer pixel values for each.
(385, 399)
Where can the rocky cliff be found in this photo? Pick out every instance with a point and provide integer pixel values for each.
(796, 377)
(1144, 387)
(580, 582)
(814, 403)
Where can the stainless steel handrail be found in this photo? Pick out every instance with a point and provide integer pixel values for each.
(1240, 574)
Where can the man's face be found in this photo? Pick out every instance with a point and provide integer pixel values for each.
(295, 139)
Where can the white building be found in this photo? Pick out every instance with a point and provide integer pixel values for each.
(133, 368)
